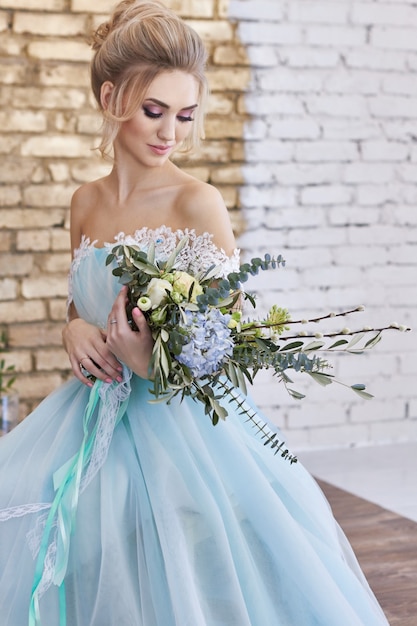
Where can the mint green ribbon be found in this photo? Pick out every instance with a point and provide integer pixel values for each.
(67, 480)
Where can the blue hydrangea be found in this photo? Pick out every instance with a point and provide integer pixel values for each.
(209, 341)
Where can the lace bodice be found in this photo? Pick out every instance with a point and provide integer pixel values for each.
(199, 253)
(93, 288)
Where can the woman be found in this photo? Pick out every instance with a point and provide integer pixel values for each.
(170, 521)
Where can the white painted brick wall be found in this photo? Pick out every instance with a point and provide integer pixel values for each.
(330, 182)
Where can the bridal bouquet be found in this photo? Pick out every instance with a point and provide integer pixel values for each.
(203, 347)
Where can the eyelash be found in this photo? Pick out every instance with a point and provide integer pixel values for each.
(155, 116)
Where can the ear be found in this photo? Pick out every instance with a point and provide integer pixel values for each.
(105, 93)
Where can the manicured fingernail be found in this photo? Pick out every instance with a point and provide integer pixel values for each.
(108, 380)
(119, 379)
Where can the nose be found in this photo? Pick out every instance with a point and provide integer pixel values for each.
(166, 130)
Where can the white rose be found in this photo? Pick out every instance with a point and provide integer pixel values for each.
(157, 291)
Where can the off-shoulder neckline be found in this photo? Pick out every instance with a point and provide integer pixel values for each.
(140, 233)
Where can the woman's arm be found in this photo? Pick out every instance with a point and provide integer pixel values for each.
(84, 343)
(86, 346)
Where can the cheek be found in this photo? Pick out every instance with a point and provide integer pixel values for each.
(136, 126)
(183, 130)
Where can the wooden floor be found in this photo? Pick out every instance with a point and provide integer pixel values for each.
(386, 547)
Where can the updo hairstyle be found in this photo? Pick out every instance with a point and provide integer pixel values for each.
(142, 39)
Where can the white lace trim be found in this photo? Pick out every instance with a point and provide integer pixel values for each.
(83, 250)
(34, 538)
(112, 397)
(199, 253)
(22, 510)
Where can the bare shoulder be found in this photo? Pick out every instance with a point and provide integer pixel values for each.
(85, 195)
(204, 209)
(83, 202)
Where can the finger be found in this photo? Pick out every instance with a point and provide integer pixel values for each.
(142, 326)
(100, 368)
(119, 305)
(140, 320)
(76, 369)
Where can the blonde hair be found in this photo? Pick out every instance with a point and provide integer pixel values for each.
(141, 39)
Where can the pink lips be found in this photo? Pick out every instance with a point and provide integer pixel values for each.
(161, 150)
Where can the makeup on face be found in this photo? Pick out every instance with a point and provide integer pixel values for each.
(155, 109)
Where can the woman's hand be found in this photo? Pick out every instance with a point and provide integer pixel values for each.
(87, 348)
(134, 348)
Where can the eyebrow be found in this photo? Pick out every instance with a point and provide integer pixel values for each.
(166, 106)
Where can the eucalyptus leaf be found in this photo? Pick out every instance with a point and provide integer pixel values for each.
(363, 394)
(337, 344)
(219, 410)
(372, 342)
(173, 256)
(314, 345)
(125, 278)
(151, 252)
(146, 267)
(164, 335)
(241, 381)
(294, 345)
(355, 340)
(322, 379)
(231, 373)
(212, 273)
(295, 394)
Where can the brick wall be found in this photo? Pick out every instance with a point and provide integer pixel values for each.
(310, 138)
(330, 181)
(48, 127)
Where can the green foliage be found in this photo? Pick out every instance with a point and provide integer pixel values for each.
(7, 378)
(257, 343)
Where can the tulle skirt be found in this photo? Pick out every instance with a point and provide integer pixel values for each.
(182, 523)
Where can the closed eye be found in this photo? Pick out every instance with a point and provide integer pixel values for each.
(151, 114)
(154, 115)
(185, 118)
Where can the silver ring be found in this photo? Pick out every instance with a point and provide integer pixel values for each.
(113, 321)
(85, 371)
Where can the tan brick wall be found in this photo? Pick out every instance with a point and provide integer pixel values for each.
(48, 126)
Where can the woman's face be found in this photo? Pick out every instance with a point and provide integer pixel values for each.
(163, 121)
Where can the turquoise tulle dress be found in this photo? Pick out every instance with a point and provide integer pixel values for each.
(118, 512)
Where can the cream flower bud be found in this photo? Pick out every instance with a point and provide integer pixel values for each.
(144, 303)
